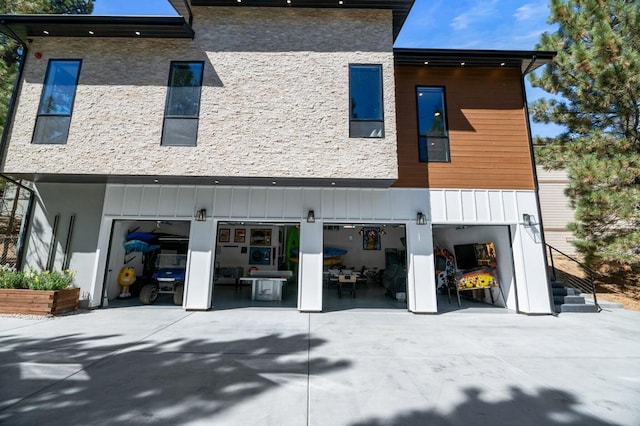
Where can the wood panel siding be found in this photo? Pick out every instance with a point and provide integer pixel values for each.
(488, 137)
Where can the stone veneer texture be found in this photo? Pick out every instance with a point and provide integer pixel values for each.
(274, 99)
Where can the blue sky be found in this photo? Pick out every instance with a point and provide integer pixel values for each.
(451, 24)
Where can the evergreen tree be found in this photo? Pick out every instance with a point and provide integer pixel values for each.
(9, 50)
(597, 74)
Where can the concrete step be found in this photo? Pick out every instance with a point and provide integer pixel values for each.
(559, 299)
(603, 303)
(576, 307)
(565, 291)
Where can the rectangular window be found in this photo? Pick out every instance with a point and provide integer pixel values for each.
(182, 108)
(56, 102)
(365, 97)
(433, 136)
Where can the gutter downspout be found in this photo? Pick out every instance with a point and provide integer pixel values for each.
(8, 124)
(11, 110)
(535, 179)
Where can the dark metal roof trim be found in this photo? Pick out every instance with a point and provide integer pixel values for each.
(96, 26)
(206, 180)
(400, 8)
(525, 60)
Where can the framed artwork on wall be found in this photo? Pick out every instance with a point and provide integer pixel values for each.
(224, 235)
(259, 256)
(371, 238)
(260, 237)
(240, 235)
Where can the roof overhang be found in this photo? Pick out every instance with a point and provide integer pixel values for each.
(525, 60)
(400, 8)
(272, 182)
(27, 26)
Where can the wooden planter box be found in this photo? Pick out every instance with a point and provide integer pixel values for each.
(38, 302)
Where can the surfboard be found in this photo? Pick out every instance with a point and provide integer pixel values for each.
(291, 246)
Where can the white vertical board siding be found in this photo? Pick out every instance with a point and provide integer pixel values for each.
(150, 200)
(421, 283)
(310, 271)
(484, 207)
(331, 205)
(132, 201)
(480, 206)
(199, 273)
(275, 202)
(312, 201)
(468, 200)
(328, 204)
(168, 200)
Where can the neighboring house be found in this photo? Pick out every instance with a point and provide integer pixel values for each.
(273, 138)
(557, 212)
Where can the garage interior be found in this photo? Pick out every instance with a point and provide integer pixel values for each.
(147, 263)
(256, 265)
(473, 262)
(365, 266)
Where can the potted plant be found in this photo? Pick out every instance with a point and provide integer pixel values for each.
(37, 292)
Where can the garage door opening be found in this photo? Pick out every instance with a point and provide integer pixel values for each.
(474, 267)
(365, 266)
(147, 263)
(256, 265)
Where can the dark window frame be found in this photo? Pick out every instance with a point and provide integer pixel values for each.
(68, 115)
(446, 124)
(195, 117)
(381, 120)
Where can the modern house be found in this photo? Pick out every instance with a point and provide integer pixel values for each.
(287, 138)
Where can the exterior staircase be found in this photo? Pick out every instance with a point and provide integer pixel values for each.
(569, 290)
(569, 299)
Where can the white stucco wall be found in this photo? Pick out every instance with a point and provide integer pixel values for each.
(275, 99)
(85, 202)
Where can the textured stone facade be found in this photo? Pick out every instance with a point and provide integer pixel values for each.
(274, 99)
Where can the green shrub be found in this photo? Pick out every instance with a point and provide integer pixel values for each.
(10, 278)
(35, 280)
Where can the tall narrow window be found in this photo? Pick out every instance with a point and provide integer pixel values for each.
(56, 103)
(433, 136)
(183, 104)
(365, 97)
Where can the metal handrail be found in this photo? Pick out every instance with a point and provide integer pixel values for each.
(586, 285)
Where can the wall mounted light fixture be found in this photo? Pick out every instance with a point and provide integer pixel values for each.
(311, 216)
(421, 219)
(528, 219)
(201, 215)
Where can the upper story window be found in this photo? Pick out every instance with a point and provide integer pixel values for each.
(183, 104)
(433, 136)
(365, 97)
(56, 103)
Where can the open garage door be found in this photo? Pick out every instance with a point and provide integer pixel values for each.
(474, 267)
(147, 263)
(365, 266)
(256, 265)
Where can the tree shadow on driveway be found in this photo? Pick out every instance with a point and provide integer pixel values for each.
(549, 407)
(75, 380)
